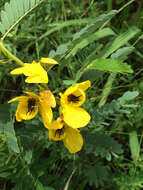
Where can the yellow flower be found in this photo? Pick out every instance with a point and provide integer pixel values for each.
(48, 61)
(47, 100)
(72, 138)
(28, 106)
(34, 72)
(73, 97)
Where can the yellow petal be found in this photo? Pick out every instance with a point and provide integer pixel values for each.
(23, 112)
(75, 117)
(47, 97)
(84, 85)
(46, 113)
(57, 124)
(17, 71)
(73, 140)
(71, 89)
(76, 98)
(57, 135)
(16, 99)
(36, 79)
(28, 69)
(34, 72)
(75, 95)
(31, 94)
(48, 61)
(18, 118)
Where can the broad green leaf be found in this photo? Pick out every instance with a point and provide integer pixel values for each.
(118, 42)
(134, 145)
(110, 65)
(11, 138)
(95, 36)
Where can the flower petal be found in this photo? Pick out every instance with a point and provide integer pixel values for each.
(31, 94)
(18, 118)
(84, 85)
(47, 97)
(36, 79)
(48, 61)
(46, 113)
(57, 124)
(17, 71)
(34, 71)
(57, 135)
(22, 112)
(75, 117)
(74, 97)
(16, 99)
(73, 140)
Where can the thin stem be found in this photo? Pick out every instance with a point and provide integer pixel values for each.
(9, 55)
(109, 5)
(124, 6)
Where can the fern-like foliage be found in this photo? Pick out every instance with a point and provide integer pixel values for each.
(13, 12)
(118, 106)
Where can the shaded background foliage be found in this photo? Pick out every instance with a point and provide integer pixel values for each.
(112, 152)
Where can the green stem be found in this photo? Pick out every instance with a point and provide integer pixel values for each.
(109, 5)
(9, 55)
(107, 89)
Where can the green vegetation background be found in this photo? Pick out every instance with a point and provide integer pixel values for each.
(91, 42)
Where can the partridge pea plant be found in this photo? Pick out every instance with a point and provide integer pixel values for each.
(71, 95)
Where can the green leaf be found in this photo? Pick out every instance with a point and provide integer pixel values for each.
(119, 41)
(39, 186)
(127, 96)
(11, 138)
(96, 174)
(100, 144)
(110, 65)
(61, 49)
(95, 23)
(91, 38)
(58, 26)
(122, 53)
(28, 156)
(14, 12)
(4, 112)
(134, 145)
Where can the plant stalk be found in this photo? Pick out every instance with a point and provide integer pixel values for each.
(9, 55)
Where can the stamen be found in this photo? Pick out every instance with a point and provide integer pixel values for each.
(59, 132)
(73, 98)
(31, 105)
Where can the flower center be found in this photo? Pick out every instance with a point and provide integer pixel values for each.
(59, 132)
(31, 104)
(73, 98)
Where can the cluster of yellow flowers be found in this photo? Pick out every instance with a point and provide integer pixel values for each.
(72, 116)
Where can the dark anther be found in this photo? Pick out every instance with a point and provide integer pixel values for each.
(31, 104)
(59, 132)
(73, 98)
